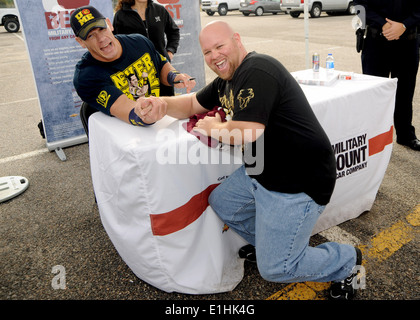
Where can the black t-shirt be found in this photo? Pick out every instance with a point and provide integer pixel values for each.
(136, 73)
(297, 155)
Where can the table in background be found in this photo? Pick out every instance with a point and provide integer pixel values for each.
(357, 116)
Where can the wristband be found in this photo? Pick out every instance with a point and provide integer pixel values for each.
(135, 120)
(171, 77)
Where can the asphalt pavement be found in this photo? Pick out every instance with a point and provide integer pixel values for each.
(54, 227)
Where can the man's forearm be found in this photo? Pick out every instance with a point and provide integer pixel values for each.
(122, 107)
(183, 106)
(230, 132)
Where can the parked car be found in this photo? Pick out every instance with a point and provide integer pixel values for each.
(9, 19)
(315, 7)
(259, 7)
(220, 6)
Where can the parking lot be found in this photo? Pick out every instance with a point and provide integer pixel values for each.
(56, 221)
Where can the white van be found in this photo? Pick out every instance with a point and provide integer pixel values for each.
(220, 6)
(315, 7)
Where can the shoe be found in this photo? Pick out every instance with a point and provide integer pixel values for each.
(248, 253)
(413, 144)
(346, 289)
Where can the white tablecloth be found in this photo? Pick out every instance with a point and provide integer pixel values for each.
(152, 185)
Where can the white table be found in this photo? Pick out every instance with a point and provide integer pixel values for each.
(152, 185)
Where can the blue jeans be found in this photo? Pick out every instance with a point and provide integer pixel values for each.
(279, 225)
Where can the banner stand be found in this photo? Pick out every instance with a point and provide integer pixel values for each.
(57, 147)
(53, 54)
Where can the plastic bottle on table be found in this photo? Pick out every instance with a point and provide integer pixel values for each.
(330, 64)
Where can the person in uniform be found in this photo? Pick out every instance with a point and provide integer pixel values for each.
(391, 48)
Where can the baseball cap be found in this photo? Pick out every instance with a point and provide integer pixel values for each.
(84, 19)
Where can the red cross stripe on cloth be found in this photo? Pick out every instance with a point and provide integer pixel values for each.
(377, 144)
(177, 219)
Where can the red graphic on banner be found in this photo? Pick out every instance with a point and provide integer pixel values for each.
(167, 1)
(60, 19)
(173, 9)
(72, 4)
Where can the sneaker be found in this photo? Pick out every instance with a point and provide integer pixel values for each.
(248, 253)
(345, 289)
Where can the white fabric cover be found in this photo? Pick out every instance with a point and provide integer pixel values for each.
(139, 172)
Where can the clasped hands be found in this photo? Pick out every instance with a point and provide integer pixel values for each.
(392, 30)
(150, 109)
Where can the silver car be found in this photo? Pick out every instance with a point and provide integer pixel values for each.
(315, 7)
(259, 7)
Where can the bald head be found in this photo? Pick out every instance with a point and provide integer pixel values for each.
(222, 48)
(216, 27)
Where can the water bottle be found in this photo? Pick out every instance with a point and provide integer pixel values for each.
(330, 64)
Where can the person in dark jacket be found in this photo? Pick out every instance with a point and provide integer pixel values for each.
(154, 22)
(391, 48)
